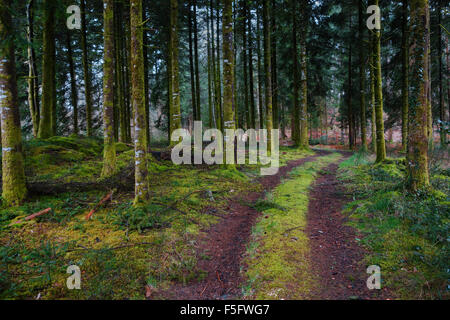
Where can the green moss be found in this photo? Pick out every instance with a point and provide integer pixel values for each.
(279, 252)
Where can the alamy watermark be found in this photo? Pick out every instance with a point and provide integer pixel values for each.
(229, 148)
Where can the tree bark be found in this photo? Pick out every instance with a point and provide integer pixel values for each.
(268, 72)
(175, 108)
(13, 175)
(138, 103)
(73, 83)
(405, 75)
(296, 108)
(418, 175)
(48, 72)
(109, 151)
(304, 143)
(362, 77)
(86, 71)
(33, 86)
(275, 109)
(381, 145)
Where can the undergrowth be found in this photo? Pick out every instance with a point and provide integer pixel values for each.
(406, 233)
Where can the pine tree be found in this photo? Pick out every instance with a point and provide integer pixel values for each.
(86, 72)
(295, 85)
(109, 152)
(304, 142)
(33, 86)
(13, 175)
(362, 77)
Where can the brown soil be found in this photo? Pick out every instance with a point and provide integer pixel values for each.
(336, 258)
(225, 244)
(336, 255)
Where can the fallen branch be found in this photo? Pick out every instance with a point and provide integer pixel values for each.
(103, 201)
(35, 215)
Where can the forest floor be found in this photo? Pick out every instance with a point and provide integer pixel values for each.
(210, 232)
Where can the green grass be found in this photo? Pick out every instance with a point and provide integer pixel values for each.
(407, 234)
(278, 255)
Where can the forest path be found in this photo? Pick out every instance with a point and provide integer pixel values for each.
(336, 257)
(221, 249)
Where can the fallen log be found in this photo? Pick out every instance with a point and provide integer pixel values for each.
(35, 215)
(102, 202)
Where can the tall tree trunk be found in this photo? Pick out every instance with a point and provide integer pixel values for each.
(250, 70)
(260, 74)
(405, 75)
(13, 175)
(214, 69)
(381, 146)
(296, 107)
(73, 83)
(218, 72)
(268, 72)
(109, 151)
(372, 92)
(146, 78)
(418, 175)
(243, 19)
(33, 88)
(275, 109)
(197, 70)
(138, 102)
(86, 71)
(362, 77)
(304, 143)
(175, 108)
(228, 70)
(191, 64)
(441, 89)
(48, 71)
(212, 120)
(350, 94)
(120, 74)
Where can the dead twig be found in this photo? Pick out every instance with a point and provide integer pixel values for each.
(102, 202)
(35, 215)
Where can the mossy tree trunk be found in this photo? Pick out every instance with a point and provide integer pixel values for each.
(211, 116)
(243, 27)
(219, 97)
(296, 107)
(441, 88)
(372, 92)
(268, 71)
(175, 107)
(405, 74)
(13, 175)
(109, 151)
(362, 76)
(33, 86)
(48, 71)
(250, 70)
(191, 63)
(73, 83)
(138, 103)
(275, 107)
(197, 69)
(228, 70)
(146, 76)
(304, 142)
(381, 145)
(260, 74)
(417, 158)
(86, 71)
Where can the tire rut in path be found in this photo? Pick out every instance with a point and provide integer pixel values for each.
(336, 256)
(225, 244)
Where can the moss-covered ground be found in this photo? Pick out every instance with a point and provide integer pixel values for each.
(122, 251)
(407, 234)
(278, 255)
